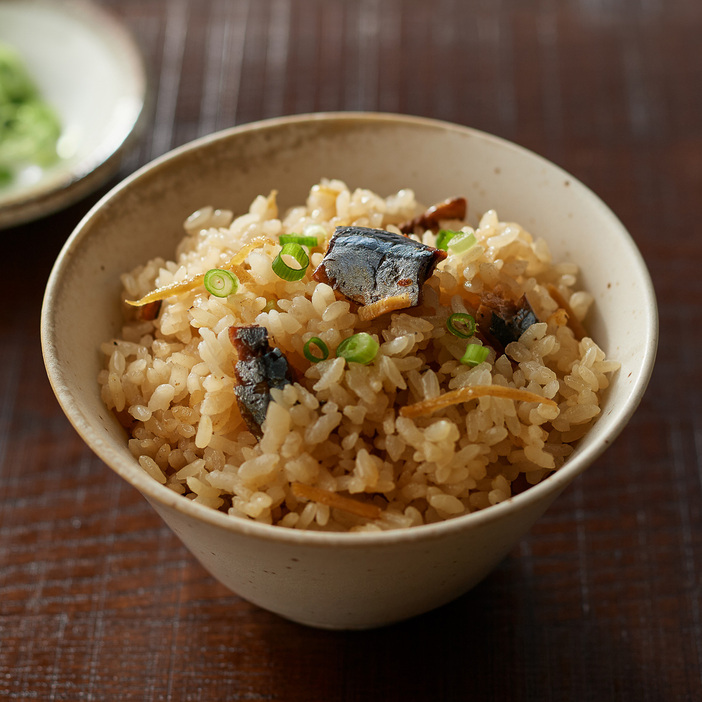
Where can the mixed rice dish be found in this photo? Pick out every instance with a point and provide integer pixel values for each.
(356, 363)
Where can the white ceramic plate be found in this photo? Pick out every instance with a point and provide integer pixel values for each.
(89, 69)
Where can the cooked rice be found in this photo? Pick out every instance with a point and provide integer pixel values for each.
(338, 431)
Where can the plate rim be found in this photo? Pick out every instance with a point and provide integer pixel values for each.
(88, 174)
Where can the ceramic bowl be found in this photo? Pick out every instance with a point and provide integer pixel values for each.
(350, 580)
(88, 68)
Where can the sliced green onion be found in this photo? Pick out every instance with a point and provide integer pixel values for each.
(475, 354)
(443, 238)
(270, 305)
(359, 348)
(310, 241)
(461, 243)
(220, 283)
(461, 325)
(283, 270)
(316, 341)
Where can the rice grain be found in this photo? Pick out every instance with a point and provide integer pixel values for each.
(339, 427)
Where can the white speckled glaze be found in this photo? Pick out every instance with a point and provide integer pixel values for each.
(343, 580)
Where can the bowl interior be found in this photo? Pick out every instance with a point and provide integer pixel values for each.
(143, 217)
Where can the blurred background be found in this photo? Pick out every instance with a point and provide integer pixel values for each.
(603, 600)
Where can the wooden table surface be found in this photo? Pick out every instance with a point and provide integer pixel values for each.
(603, 599)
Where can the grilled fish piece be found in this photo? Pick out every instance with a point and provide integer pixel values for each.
(453, 208)
(372, 266)
(258, 369)
(507, 320)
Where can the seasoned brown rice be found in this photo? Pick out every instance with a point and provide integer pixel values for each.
(336, 453)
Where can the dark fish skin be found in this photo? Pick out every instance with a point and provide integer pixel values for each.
(368, 265)
(511, 321)
(258, 369)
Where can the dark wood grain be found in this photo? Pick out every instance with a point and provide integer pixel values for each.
(603, 600)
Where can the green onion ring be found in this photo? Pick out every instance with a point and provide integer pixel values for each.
(461, 243)
(443, 238)
(316, 341)
(359, 348)
(474, 355)
(310, 241)
(465, 320)
(283, 270)
(220, 282)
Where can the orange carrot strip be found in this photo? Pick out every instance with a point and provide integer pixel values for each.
(242, 274)
(388, 304)
(455, 397)
(334, 500)
(573, 322)
(195, 281)
(256, 243)
(168, 290)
